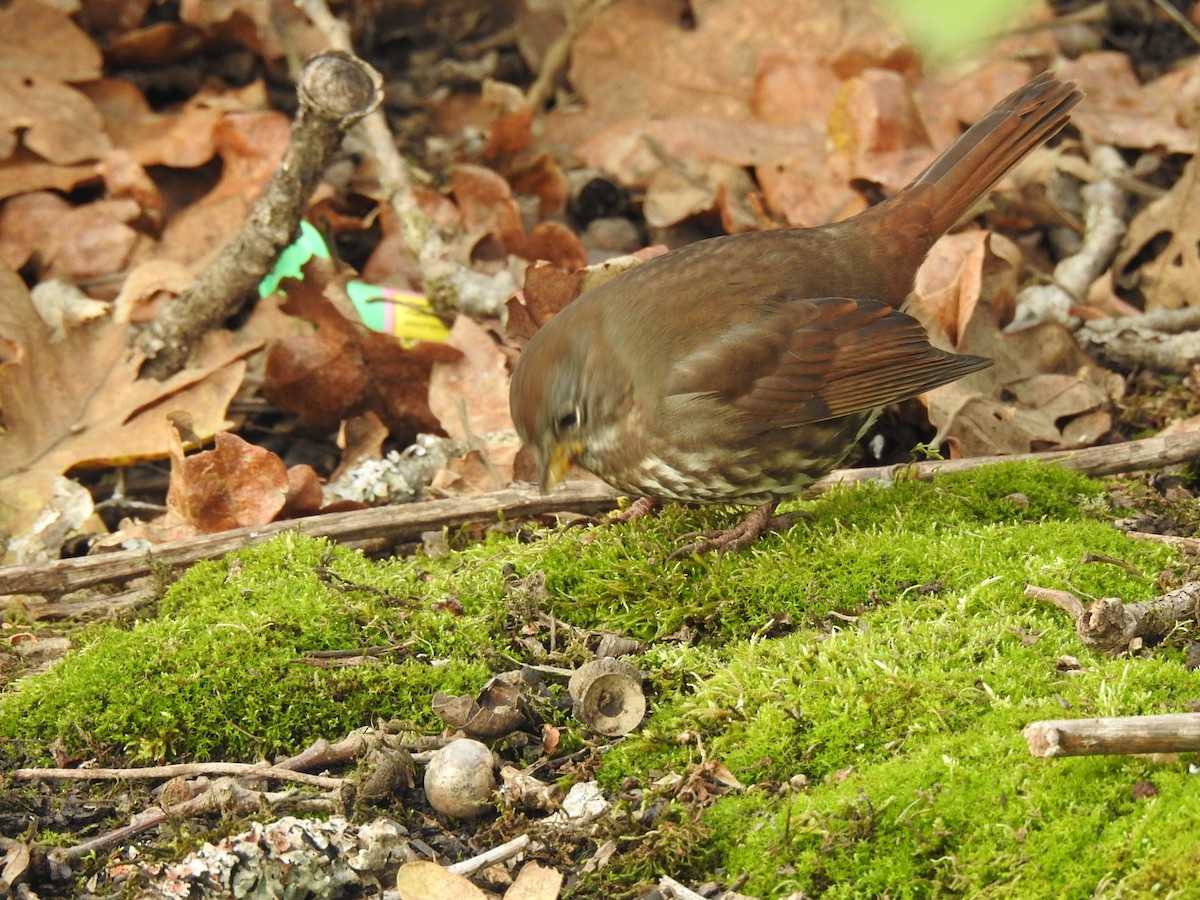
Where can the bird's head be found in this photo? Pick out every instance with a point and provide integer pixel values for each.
(568, 398)
(547, 403)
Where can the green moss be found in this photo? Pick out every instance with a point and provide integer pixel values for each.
(880, 652)
(221, 671)
(860, 546)
(906, 720)
(960, 817)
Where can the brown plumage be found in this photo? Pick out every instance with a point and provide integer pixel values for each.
(741, 368)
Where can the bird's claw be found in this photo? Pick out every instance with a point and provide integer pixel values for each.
(743, 534)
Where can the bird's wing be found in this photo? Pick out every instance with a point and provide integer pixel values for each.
(803, 360)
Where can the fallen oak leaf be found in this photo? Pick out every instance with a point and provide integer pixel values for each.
(1044, 391)
(233, 485)
(1169, 278)
(535, 882)
(78, 402)
(41, 48)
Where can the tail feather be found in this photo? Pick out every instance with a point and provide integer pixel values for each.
(987, 150)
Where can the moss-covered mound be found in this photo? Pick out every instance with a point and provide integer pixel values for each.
(865, 676)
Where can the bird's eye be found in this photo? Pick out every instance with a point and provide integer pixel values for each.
(568, 420)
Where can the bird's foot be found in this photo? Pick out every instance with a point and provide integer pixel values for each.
(760, 521)
(640, 508)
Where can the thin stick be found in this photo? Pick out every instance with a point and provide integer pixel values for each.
(1172, 733)
(408, 521)
(469, 867)
(162, 773)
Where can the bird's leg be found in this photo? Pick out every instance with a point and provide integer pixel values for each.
(638, 509)
(760, 520)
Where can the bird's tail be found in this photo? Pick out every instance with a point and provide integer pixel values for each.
(953, 183)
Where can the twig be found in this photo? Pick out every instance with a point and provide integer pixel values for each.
(1173, 733)
(395, 523)
(1179, 19)
(162, 773)
(225, 796)
(1166, 340)
(449, 285)
(1189, 545)
(322, 754)
(1105, 204)
(506, 851)
(1064, 600)
(1152, 453)
(335, 90)
(398, 523)
(1113, 626)
(555, 59)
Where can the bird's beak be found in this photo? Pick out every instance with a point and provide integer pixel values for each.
(553, 466)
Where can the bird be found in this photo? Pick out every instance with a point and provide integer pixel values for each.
(741, 368)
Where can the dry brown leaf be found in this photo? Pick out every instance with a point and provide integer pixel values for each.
(556, 243)
(547, 290)
(268, 30)
(423, 880)
(94, 240)
(78, 402)
(40, 50)
(156, 44)
(153, 280)
(250, 147)
(40, 39)
(948, 284)
(26, 171)
(360, 438)
(791, 89)
(1171, 279)
(233, 485)
(126, 179)
(340, 368)
(474, 473)
(66, 511)
(54, 120)
(470, 398)
(320, 375)
(181, 139)
(1043, 392)
(469, 395)
(543, 178)
(487, 206)
(876, 133)
(750, 85)
(27, 223)
(535, 882)
(947, 104)
(305, 496)
(637, 59)
(510, 131)
(631, 151)
(754, 85)
(679, 192)
(1118, 109)
(802, 193)
(392, 261)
